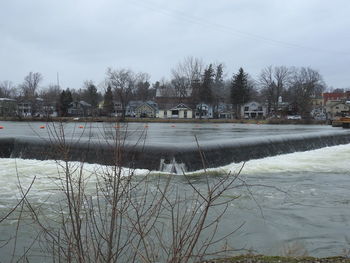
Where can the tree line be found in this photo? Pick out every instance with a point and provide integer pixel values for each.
(192, 81)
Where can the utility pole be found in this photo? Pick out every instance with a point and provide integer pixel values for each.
(58, 80)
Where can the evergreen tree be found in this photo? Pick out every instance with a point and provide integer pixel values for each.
(65, 101)
(92, 95)
(239, 90)
(219, 75)
(206, 94)
(108, 101)
(218, 89)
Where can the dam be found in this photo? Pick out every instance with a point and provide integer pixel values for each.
(306, 206)
(167, 147)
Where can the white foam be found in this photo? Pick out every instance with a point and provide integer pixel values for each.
(333, 159)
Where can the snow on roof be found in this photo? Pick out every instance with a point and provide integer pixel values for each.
(6, 99)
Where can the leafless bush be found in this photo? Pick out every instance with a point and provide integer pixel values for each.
(115, 215)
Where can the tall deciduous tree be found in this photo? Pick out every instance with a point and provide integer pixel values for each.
(274, 81)
(29, 89)
(186, 75)
(31, 84)
(306, 84)
(51, 99)
(240, 92)
(7, 89)
(142, 90)
(123, 82)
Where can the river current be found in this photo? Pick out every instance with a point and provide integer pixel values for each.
(297, 202)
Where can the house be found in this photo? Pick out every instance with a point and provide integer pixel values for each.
(253, 110)
(225, 111)
(130, 109)
(118, 108)
(337, 109)
(24, 108)
(146, 110)
(226, 114)
(30, 107)
(8, 107)
(204, 110)
(80, 108)
(180, 111)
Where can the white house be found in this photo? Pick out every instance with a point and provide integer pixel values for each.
(253, 110)
(180, 111)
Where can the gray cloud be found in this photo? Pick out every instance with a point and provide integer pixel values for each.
(80, 39)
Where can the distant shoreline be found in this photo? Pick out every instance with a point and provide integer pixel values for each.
(157, 120)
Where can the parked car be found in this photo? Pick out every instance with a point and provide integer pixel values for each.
(293, 117)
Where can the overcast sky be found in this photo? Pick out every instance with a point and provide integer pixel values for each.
(80, 39)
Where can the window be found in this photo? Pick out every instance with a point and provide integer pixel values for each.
(259, 108)
(246, 108)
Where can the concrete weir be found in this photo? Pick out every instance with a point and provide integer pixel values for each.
(168, 157)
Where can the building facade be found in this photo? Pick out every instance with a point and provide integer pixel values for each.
(180, 111)
(253, 110)
(8, 107)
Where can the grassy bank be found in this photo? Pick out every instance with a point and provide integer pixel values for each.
(276, 259)
(156, 120)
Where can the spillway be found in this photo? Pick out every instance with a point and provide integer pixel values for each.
(168, 156)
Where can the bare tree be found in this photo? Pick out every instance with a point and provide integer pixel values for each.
(51, 98)
(186, 74)
(7, 89)
(143, 86)
(51, 93)
(123, 82)
(273, 82)
(112, 215)
(31, 84)
(306, 83)
(165, 89)
(29, 90)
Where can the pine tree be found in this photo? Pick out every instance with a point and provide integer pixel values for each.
(108, 101)
(239, 90)
(65, 101)
(219, 75)
(218, 89)
(206, 94)
(92, 95)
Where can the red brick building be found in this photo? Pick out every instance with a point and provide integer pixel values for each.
(335, 96)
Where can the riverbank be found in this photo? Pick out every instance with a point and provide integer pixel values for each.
(276, 259)
(157, 120)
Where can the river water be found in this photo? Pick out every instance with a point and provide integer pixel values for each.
(297, 202)
(169, 133)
